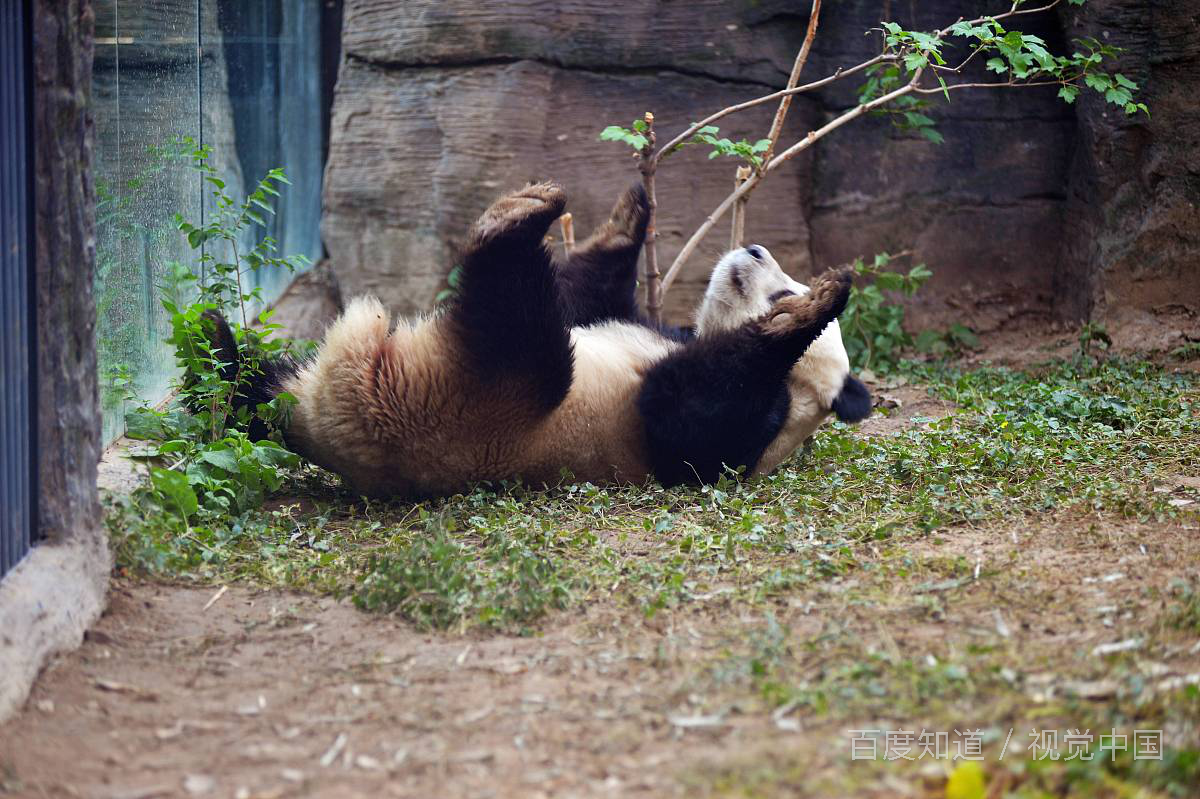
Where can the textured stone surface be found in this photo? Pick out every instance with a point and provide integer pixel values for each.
(57, 591)
(417, 154)
(1134, 190)
(1031, 207)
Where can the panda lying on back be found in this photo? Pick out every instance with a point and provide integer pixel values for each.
(539, 367)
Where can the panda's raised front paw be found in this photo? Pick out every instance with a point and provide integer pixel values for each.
(823, 303)
(832, 288)
(525, 213)
(632, 212)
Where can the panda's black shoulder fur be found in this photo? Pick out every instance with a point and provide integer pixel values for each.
(722, 399)
(713, 404)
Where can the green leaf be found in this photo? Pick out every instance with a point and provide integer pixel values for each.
(997, 65)
(945, 91)
(1118, 96)
(933, 135)
(221, 458)
(174, 486)
(614, 133)
(1068, 93)
(143, 424)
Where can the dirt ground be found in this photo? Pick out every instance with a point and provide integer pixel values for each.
(237, 692)
(190, 692)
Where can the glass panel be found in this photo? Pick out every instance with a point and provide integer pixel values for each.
(241, 76)
(146, 95)
(268, 74)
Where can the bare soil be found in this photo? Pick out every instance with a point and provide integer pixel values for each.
(272, 694)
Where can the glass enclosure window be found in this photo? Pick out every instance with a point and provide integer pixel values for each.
(243, 77)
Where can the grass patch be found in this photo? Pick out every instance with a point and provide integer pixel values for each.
(1083, 434)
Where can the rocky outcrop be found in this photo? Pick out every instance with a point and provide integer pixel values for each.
(1133, 210)
(441, 106)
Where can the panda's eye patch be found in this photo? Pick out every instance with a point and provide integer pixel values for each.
(779, 295)
(736, 280)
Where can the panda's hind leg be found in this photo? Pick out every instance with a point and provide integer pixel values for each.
(722, 399)
(507, 313)
(598, 280)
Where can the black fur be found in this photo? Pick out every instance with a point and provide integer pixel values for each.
(508, 311)
(722, 399)
(853, 402)
(717, 402)
(258, 385)
(598, 280)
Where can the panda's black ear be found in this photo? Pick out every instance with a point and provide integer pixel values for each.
(853, 402)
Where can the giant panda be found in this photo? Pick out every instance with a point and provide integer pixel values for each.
(540, 366)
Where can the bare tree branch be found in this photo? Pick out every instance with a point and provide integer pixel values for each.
(648, 165)
(1012, 84)
(814, 19)
(738, 229)
(670, 146)
(783, 157)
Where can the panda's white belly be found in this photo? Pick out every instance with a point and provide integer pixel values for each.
(596, 433)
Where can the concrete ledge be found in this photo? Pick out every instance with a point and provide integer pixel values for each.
(46, 604)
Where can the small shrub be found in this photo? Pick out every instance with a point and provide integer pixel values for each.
(872, 325)
(202, 457)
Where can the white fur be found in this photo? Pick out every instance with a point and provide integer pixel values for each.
(817, 377)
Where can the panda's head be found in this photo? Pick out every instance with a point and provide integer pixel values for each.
(744, 285)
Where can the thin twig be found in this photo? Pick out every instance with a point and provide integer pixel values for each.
(567, 226)
(648, 165)
(1012, 84)
(785, 103)
(1012, 12)
(786, 155)
(839, 74)
(738, 229)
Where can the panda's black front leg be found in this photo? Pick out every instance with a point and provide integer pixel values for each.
(598, 280)
(722, 399)
(507, 313)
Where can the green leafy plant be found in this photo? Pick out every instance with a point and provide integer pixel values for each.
(750, 153)
(200, 455)
(872, 325)
(1093, 335)
(453, 279)
(636, 138)
(952, 341)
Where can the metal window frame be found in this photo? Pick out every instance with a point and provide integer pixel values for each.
(18, 353)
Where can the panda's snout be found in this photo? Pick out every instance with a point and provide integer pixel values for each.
(756, 252)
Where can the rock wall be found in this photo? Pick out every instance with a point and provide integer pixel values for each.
(1133, 210)
(440, 106)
